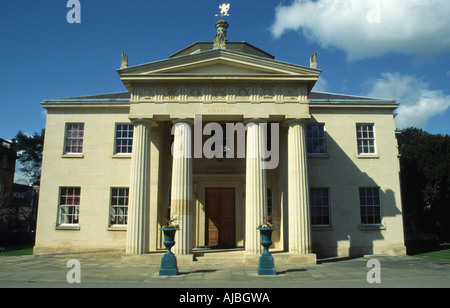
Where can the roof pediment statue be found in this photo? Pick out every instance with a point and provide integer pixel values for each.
(313, 61)
(124, 63)
(221, 36)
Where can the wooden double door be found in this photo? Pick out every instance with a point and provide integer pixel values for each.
(220, 217)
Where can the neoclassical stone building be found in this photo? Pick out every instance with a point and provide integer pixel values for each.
(323, 166)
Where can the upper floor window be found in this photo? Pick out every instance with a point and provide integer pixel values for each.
(366, 138)
(74, 138)
(5, 161)
(315, 138)
(124, 138)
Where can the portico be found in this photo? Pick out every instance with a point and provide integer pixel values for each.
(221, 86)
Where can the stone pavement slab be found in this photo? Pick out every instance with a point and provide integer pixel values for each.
(402, 271)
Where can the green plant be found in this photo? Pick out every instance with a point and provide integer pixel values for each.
(267, 223)
(171, 223)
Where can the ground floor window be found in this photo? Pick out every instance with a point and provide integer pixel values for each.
(119, 206)
(369, 199)
(69, 205)
(320, 206)
(269, 203)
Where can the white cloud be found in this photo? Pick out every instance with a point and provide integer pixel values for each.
(321, 85)
(370, 28)
(418, 103)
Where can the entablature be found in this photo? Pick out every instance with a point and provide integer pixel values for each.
(218, 92)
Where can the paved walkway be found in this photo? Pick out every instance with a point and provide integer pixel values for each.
(402, 271)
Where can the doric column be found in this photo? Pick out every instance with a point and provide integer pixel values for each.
(255, 187)
(181, 191)
(298, 199)
(139, 195)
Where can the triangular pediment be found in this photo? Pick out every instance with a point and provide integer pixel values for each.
(218, 62)
(219, 67)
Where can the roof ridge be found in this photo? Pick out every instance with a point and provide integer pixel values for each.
(98, 96)
(343, 96)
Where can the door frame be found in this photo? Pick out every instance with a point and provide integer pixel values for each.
(220, 228)
(203, 181)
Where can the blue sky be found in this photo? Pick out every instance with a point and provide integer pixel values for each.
(395, 49)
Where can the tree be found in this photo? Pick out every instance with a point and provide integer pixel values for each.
(5, 212)
(408, 134)
(29, 150)
(425, 178)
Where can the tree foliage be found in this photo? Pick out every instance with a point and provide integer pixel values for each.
(425, 178)
(29, 150)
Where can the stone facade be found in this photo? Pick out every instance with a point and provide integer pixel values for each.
(340, 200)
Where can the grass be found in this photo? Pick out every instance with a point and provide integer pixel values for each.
(442, 254)
(22, 250)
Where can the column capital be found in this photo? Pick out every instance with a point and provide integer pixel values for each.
(142, 121)
(189, 121)
(293, 121)
(255, 120)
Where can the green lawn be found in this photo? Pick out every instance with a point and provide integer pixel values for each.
(23, 250)
(439, 255)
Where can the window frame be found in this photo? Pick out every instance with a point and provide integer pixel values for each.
(269, 204)
(368, 139)
(67, 138)
(5, 160)
(60, 222)
(374, 206)
(128, 138)
(169, 203)
(310, 139)
(112, 206)
(321, 206)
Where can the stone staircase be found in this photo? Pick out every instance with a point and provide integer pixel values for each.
(219, 256)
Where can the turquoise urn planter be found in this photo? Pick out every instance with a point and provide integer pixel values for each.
(169, 261)
(266, 264)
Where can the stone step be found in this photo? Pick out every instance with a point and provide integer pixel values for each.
(239, 257)
(220, 257)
